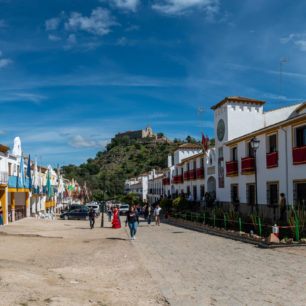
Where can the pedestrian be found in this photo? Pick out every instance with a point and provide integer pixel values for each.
(148, 213)
(116, 220)
(282, 205)
(92, 216)
(109, 213)
(157, 215)
(1, 215)
(132, 220)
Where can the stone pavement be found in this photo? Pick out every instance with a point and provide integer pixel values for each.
(193, 268)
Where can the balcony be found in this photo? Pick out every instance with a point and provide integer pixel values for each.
(299, 155)
(200, 173)
(272, 160)
(186, 176)
(4, 178)
(12, 182)
(247, 165)
(180, 179)
(232, 168)
(192, 175)
(166, 181)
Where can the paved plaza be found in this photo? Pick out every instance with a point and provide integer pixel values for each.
(46, 262)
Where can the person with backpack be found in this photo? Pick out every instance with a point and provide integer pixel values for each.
(132, 220)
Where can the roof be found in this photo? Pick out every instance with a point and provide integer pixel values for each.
(4, 148)
(238, 99)
(300, 108)
(188, 146)
(287, 106)
(192, 157)
(299, 118)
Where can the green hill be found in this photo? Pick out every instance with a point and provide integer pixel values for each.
(123, 158)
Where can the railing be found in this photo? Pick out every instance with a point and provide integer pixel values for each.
(200, 173)
(186, 176)
(166, 181)
(247, 165)
(299, 155)
(191, 175)
(4, 177)
(272, 160)
(232, 168)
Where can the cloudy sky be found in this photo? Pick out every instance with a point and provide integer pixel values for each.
(74, 73)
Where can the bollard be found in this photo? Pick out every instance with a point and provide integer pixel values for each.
(224, 221)
(297, 230)
(240, 228)
(214, 220)
(259, 224)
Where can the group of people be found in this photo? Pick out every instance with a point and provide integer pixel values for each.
(132, 217)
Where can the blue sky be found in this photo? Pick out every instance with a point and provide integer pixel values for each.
(74, 73)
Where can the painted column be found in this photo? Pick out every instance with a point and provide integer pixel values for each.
(3, 205)
(27, 200)
(13, 205)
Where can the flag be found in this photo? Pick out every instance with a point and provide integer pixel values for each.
(49, 185)
(205, 142)
(35, 176)
(20, 180)
(29, 172)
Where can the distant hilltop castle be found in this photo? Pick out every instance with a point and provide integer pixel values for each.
(144, 134)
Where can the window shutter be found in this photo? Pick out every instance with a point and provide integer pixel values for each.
(268, 194)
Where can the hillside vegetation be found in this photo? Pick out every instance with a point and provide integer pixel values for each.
(123, 158)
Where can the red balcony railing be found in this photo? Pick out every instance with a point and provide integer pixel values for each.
(191, 175)
(180, 179)
(166, 181)
(232, 168)
(272, 160)
(200, 173)
(186, 176)
(247, 165)
(299, 155)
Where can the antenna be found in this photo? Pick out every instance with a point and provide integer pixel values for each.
(282, 61)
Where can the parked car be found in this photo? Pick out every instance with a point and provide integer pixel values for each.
(124, 208)
(95, 207)
(76, 214)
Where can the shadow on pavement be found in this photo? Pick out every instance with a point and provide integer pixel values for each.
(115, 238)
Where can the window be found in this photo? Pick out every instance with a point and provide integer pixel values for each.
(234, 192)
(194, 169)
(272, 193)
(234, 154)
(220, 153)
(249, 150)
(272, 143)
(202, 191)
(300, 136)
(299, 194)
(195, 192)
(202, 162)
(250, 194)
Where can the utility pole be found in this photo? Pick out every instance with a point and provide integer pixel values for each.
(282, 61)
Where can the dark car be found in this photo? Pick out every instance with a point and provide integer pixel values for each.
(76, 214)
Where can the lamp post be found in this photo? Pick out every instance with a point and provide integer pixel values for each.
(255, 145)
(103, 199)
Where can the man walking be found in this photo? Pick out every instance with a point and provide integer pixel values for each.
(157, 215)
(92, 216)
(282, 205)
(148, 213)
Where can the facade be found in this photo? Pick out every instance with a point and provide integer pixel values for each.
(228, 170)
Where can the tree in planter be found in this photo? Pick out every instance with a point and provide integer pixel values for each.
(166, 204)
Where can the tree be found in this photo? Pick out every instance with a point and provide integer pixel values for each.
(212, 142)
(160, 135)
(190, 139)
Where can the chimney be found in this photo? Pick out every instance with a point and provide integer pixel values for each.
(169, 161)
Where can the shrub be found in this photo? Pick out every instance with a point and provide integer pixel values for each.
(166, 204)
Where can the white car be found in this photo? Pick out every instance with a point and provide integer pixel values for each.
(95, 207)
(124, 208)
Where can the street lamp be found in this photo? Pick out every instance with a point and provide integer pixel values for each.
(255, 145)
(103, 201)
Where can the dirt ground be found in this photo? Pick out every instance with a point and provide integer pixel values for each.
(44, 262)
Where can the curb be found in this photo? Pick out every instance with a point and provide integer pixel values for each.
(236, 238)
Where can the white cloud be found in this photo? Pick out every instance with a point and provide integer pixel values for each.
(52, 24)
(99, 22)
(126, 4)
(2, 132)
(4, 62)
(81, 142)
(71, 39)
(178, 7)
(21, 96)
(53, 37)
(0, 53)
(122, 41)
(298, 39)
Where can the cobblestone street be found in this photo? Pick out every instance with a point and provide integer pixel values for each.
(60, 262)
